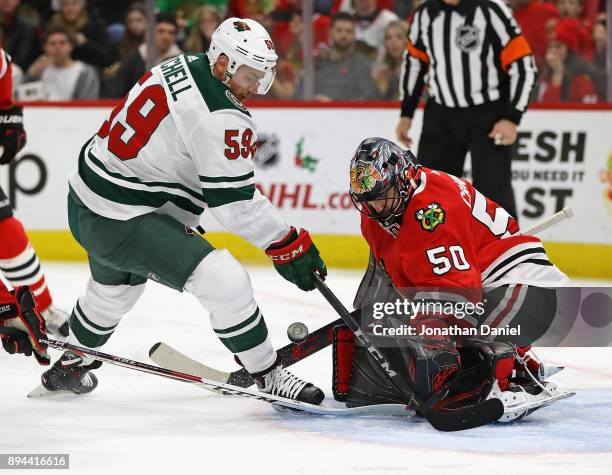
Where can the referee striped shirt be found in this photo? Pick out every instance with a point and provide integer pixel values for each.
(468, 54)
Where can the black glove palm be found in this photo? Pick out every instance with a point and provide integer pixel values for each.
(12, 136)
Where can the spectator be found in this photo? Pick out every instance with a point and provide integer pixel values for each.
(62, 77)
(287, 33)
(112, 12)
(206, 22)
(343, 73)
(533, 17)
(567, 75)
(371, 23)
(256, 9)
(135, 30)
(20, 39)
(132, 67)
(189, 7)
(88, 30)
(288, 27)
(386, 73)
(600, 38)
(573, 9)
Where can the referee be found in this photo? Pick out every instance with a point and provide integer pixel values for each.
(480, 73)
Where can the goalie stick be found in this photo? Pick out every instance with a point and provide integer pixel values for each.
(399, 410)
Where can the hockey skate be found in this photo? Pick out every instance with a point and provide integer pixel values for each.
(69, 373)
(528, 390)
(56, 320)
(279, 381)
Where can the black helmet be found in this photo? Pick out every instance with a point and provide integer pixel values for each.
(378, 166)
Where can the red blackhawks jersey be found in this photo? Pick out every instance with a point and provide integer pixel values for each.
(453, 236)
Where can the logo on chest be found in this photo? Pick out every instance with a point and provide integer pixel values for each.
(467, 38)
(431, 216)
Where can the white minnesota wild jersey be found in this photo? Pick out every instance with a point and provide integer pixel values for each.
(178, 143)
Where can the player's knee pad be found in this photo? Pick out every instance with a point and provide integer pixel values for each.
(97, 313)
(223, 287)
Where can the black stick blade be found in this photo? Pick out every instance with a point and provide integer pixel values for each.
(466, 418)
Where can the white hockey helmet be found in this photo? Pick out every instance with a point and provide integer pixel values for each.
(245, 42)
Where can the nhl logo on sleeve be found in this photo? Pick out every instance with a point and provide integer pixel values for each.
(431, 216)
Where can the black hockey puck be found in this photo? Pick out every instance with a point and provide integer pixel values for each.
(297, 332)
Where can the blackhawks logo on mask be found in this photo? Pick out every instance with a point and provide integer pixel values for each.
(364, 177)
(431, 216)
(241, 26)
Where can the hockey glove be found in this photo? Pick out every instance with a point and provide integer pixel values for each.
(21, 325)
(295, 257)
(12, 135)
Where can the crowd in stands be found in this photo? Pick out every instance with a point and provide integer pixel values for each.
(90, 49)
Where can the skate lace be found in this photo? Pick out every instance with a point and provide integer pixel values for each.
(523, 361)
(284, 383)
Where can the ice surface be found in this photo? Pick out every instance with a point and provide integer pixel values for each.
(146, 424)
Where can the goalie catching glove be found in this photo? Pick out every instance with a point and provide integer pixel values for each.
(295, 257)
(12, 135)
(21, 325)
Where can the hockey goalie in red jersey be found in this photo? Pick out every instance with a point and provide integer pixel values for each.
(434, 237)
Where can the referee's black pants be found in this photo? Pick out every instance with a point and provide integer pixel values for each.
(448, 134)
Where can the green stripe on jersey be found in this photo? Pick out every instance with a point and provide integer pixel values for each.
(129, 196)
(214, 92)
(224, 179)
(133, 179)
(221, 196)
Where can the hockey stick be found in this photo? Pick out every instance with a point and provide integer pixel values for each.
(231, 390)
(459, 419)
(165, 355)
(565, 213)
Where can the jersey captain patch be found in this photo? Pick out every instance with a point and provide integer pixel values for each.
(431, 217)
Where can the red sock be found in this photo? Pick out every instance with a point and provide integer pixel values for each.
(19, 263)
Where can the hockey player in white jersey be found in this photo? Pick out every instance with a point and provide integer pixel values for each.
(181, 142)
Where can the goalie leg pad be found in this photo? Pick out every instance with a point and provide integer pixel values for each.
(223, 288)
(483, 364)
(343, 351)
